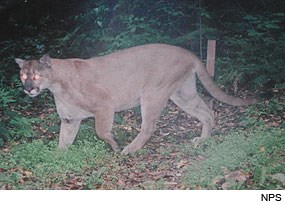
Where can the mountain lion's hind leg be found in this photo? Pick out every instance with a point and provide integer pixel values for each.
(151, 107)
(195, 106)
(68, 131)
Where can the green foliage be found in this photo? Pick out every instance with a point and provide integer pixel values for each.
(255, 50)
(21, 127)
(107, 27)
(272, 107)
(12, 124)
(260, 113)
(137, 31)
(45, 165)
(251, 152)
(6, 98)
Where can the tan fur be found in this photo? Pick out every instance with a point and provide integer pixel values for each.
(145, 75)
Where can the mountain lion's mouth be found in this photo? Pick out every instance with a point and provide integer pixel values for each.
(32, 93)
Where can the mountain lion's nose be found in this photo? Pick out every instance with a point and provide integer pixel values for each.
(28, 86)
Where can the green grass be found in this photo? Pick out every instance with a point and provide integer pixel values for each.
(259, 154)
(46, 165)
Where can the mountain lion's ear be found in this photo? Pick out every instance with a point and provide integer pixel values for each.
(45, 60)
(20, 62)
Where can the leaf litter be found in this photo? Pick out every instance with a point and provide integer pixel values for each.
(163, 161)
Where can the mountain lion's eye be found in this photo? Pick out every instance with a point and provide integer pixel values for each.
(36, 77)
(24, 76)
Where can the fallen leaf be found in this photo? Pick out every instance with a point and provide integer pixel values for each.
(279, 177)
(262, 149)
(121, 183)
(5, 149)
(182, 163)
(170, 183)
(28, 173)
(226, 185)
(238, 175)
(21, 181)
(217, 180)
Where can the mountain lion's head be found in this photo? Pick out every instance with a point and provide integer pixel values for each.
(35, 75)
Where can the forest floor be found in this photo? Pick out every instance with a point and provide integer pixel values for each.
(246, 151)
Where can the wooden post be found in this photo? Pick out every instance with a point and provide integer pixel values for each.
(211, 54)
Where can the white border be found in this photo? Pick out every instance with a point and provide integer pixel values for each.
(166, 197)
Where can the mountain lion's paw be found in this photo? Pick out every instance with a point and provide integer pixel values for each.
(196, 141)
(129, 149)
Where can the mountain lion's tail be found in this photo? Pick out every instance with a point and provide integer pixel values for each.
(216, 92)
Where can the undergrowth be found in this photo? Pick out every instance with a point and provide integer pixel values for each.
(257, 154)
(39, 166)
(240, 160)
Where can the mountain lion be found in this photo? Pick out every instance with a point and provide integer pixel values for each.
(145, 75)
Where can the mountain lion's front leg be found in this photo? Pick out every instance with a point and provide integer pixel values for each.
(103, 126)
(68, 131)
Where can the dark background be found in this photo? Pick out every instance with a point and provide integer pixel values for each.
(247, 30)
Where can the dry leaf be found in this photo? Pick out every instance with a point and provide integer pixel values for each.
(121, 183)
(279, 177)
(28, 173)
(182, 163)
(226, 185)
(5, 149)
(216, 180)
(238, 175)
(262, 149)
